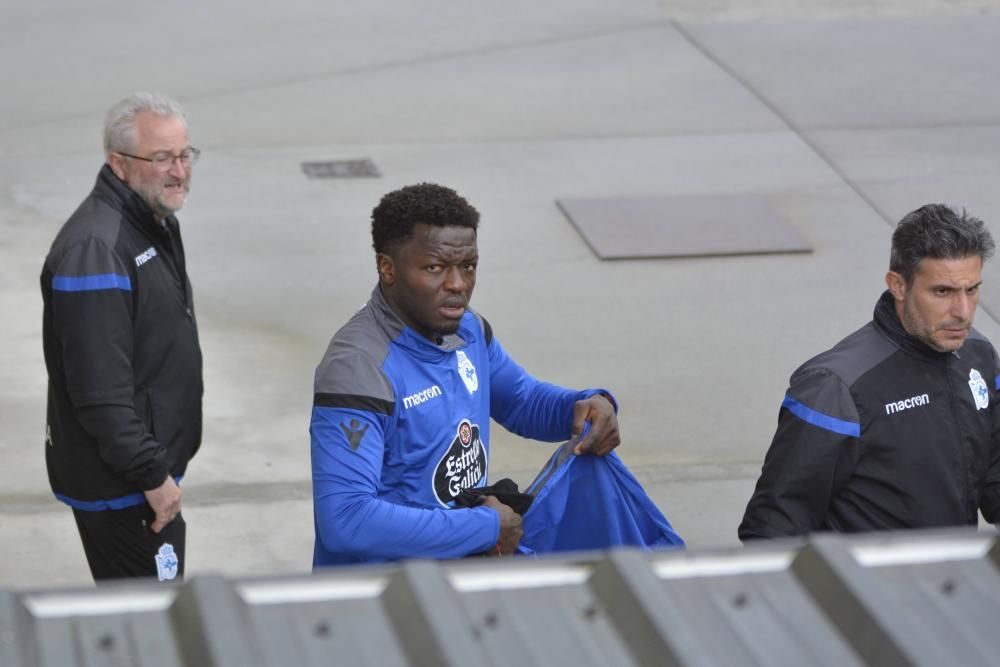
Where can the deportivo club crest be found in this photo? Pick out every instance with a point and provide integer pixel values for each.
(463, 466)
(467, 372)
(166, 563)
(980, 392)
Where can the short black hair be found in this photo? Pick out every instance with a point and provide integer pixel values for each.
(427, 203)
(938, 232)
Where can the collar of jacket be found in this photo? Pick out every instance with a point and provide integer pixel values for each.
(400, 333)
(887, 321)
(114, 191)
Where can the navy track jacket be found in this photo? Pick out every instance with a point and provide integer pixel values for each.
(883, 432)
(122, 353)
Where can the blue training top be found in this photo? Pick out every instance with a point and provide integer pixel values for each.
(400, 426)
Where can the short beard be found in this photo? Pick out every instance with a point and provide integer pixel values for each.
(160, 208)
(926, 337)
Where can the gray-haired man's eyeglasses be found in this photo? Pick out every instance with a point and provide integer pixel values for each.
(163, 161)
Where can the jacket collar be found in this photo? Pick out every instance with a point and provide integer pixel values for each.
(115, 192)
(887, 321)
(399, 332)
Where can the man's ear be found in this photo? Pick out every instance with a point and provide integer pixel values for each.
(897, 285)
(117, 164)
(386, 269)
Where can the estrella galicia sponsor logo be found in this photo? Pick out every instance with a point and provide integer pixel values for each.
(353, 432)
(166, 563)
(421, 396)
(980, 392)
(463, 466)
(146, 255)
(467, 372)
(906, 404)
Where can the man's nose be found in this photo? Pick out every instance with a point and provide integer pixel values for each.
(963, 305)
(177, 169)
(453, 279)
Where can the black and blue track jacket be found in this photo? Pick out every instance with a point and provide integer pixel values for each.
(122, 353)
(883, 432)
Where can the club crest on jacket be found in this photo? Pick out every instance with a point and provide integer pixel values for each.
(980, 392)
(467, 372)
(166, 563)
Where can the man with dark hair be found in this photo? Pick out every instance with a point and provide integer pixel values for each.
(898, 425)
(121, 348)
(404, 396)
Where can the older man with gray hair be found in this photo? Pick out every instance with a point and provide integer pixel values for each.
(121, 348)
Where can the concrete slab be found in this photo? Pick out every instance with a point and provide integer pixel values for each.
(903, 72)
(420, 80)
(671, 227)
(224, 48)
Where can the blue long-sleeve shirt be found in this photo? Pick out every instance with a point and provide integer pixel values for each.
(400, 426)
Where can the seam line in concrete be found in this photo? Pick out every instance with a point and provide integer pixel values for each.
(792, 127)
(802, 134)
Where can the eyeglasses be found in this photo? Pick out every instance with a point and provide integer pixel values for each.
(163, 161)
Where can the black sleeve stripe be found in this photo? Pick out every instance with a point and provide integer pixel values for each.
(487, 329)
(353, 402)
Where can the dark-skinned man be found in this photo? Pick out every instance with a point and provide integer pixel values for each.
(404, 396)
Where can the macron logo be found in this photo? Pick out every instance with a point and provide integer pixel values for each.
(146, 255)
(899, 406)
(421, 396)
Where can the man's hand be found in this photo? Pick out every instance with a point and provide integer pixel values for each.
(511, 531)
(603, 435)
(165, 501)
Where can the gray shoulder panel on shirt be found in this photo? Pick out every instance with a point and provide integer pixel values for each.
(93, 222)
(352, 364)
(853, 356)
(823, 383)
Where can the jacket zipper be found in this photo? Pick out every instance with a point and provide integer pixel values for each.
(970, 509)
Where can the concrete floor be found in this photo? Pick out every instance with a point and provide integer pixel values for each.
(843, 115)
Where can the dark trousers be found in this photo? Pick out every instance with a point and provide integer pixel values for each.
(120, 544)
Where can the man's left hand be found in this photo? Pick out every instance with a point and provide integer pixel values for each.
(603, 435)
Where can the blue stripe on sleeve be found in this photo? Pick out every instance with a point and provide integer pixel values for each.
(807, 414)
(88, 283)
(996, 383)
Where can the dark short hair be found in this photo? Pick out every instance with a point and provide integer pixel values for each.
(938, 232)
(427, 203)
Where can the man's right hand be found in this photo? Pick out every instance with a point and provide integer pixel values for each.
(511, 531)
(166, 502)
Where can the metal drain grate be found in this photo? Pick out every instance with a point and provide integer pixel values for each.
(341, 169)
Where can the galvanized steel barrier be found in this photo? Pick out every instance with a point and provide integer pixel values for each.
(909, 598)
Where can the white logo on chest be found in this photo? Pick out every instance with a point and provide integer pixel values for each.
(421, 396)
(980, 392)
(467, 372)
(912, 402)
(146, 255)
